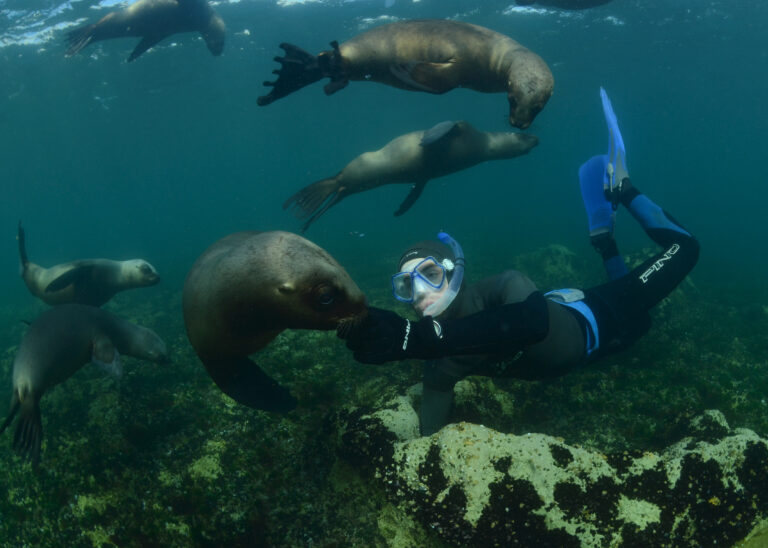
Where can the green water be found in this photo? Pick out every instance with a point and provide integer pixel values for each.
(161, 157)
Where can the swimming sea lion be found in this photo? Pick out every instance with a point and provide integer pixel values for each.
(153, 21)
(87, 281)
(431, 55)
(58, 343)
(414, 158)
(247, 288)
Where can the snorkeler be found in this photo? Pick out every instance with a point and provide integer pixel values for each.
(503, 325)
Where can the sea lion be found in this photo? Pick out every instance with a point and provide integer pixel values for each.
(58, 343)
(153, 21)
(248, 287)
(431, 55)
(414, 158)
(87, 281)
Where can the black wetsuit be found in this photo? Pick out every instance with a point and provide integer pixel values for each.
(620, 310)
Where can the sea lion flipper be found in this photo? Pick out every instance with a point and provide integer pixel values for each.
(437, 132)
(315, 199)
(413, 195)
(11, 413)
(298, 68)
(78, 38)
(106, 356)
(146, 43)
(29, 431)
(423, 76)
(76, 276)
(24, 260)
(246, 383)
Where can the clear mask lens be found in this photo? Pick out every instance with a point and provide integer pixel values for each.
(428, 271)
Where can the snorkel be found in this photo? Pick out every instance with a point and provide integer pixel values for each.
(457, 275)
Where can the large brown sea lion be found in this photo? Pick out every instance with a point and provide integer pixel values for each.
(87, 281)
(431, 55)
(247, 288)
(153, 21)
(58, 343)
(414, 158)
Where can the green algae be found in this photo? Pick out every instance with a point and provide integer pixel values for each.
(162, 457)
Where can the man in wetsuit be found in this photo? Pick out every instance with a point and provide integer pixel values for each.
(503, 325)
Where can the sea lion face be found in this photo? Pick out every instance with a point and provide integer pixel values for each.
(527, 96)
(147, 345)
(322, 298)
(214, 35)
(139, 273)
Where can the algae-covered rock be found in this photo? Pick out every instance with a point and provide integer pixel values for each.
(475, 486)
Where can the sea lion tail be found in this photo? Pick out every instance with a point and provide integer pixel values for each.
(79, 38)
(315, 199)
(29, 430)
(246, 383)
(22, 249)
(299, 68)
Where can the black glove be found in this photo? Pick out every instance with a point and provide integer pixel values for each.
(384, 336)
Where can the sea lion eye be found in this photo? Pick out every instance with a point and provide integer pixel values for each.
(145, 268)
(326, 299)
(325, 296)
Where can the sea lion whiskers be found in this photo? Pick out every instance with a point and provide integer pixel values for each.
(347, 325)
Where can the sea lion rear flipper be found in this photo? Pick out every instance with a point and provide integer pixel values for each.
(106, 356)
(78, 38)
(75, 276)
(423, 76)
(413, 195)
(437, 133)
(146, 43)
(29, 431)
(315, 199)
(246, 383)
(11, 413)
(298, 68)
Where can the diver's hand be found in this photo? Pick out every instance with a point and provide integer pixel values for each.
(384, 336)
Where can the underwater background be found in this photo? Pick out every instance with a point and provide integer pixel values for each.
(161, 157)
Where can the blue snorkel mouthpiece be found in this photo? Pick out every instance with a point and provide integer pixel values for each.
(457, 276)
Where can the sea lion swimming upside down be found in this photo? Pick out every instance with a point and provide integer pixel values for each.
(248, 287)
(431, 55)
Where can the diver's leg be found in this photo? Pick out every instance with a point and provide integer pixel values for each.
(621, 306)
(656, 277)
(437, 397)
(601, 215)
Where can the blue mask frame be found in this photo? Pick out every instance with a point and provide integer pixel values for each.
(415, 274)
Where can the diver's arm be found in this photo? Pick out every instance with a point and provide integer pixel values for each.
(385, 336)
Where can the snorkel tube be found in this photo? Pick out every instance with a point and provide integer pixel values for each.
(457, 275)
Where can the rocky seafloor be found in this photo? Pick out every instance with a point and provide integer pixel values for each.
(662, 445)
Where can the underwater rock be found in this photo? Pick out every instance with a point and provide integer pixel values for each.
(475, 486)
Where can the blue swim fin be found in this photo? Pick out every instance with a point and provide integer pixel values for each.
(616, 170)
(600, 212)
